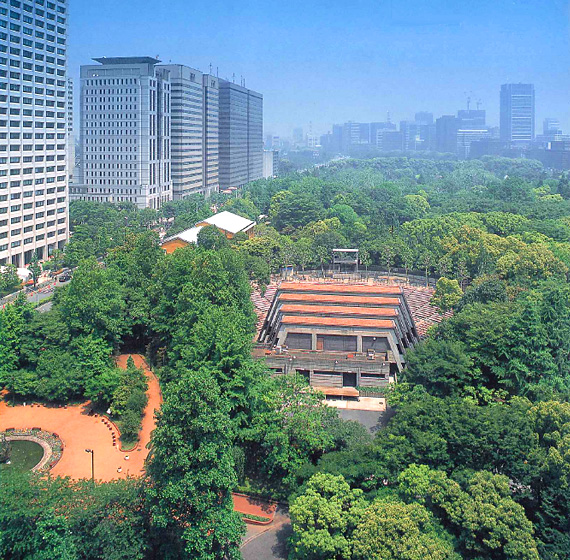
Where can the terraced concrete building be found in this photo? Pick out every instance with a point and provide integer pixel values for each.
(340, 336)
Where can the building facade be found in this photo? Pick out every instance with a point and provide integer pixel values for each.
(211, 136)
(517, 114)
(125, 132)
(187, 129)
(240, 135)
(339, 336)
(270, 163)
(33, 130)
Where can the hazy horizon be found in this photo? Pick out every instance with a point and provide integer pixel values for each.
(329, 63)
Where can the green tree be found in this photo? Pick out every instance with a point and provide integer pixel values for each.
(191, 474)
(447, 294)
(324, 517)
(393, 530)
(35, 268)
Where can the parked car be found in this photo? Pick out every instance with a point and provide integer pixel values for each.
(65, 277)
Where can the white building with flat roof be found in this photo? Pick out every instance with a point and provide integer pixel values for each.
(33, 130)
(125, 132)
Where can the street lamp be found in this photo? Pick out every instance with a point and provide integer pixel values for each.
(92, 463)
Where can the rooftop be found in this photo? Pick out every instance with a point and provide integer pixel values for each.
(127, 60)
(347, 322)
(339, 288)
(339, 310)
(229, 222)
(188, 235)
(340, 299)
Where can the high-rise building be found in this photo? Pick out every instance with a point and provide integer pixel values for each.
(471, 119)
(211, 135)
(33, 129)
(298, 136)
(411, 134)
(551, 126)
(241, 135)
(355, 134)
(446, 134)
(375, 127)
(125, 132)
(194, 125)
(70, 133)
(517, 114)
(424, 118)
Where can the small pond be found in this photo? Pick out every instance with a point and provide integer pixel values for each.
(24, 455)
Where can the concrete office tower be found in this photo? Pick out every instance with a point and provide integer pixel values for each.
(211, 136)
(125, 132)
(194, 132)
(241, 135)
(33, 130)
(517, 114)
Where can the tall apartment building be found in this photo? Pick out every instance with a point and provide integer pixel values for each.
(517, 114)
(125, 132)
(33, 129)
(241, 135)
(70, 132)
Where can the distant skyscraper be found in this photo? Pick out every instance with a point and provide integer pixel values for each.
(517, 113)
(551, 126)
(35, 126)
(241, 135)
(411, 133)
(125, 132)
(298, 136)
(354, 134)
(424, 118)
(446, 134)
(471, 119)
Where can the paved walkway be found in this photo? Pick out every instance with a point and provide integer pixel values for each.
(268, 542)
(79, 431)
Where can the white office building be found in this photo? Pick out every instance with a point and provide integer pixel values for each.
(125, 132)
(33, 129)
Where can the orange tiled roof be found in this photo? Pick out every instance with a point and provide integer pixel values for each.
(338, 322)
(339, 288)
(338, 310)
(340, 298)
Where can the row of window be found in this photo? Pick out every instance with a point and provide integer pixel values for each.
(29, 240)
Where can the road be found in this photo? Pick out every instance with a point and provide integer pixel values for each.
(268, 542)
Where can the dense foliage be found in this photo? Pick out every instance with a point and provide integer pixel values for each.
(475, 462)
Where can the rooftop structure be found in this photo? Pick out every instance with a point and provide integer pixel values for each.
(228, 223)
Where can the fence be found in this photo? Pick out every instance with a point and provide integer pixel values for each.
(376, 273)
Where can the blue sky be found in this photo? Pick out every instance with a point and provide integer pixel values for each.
(333, 61)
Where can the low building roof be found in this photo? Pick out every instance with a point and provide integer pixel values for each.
(347, 322)
(188, 235)
(338, 288)
(339, 310)
(341, 299)
(229, 222)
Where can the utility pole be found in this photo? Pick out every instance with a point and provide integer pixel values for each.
(92, 452)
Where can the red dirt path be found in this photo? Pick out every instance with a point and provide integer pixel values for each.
(79, 431)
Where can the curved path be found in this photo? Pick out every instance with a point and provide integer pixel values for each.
(79, 431)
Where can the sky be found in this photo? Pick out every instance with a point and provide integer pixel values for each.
(322, 62)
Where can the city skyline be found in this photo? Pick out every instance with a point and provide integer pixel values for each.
(414, 56)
